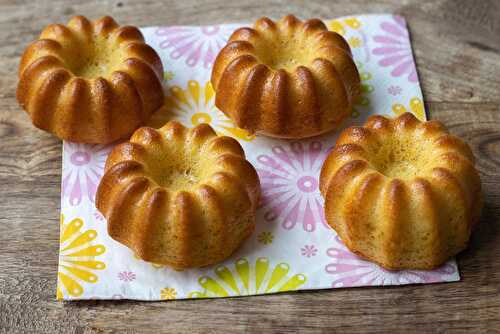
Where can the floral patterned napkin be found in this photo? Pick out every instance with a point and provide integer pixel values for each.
(292, 247)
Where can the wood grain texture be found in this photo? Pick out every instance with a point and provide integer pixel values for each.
(457, 50)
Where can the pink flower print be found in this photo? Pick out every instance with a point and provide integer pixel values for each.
(308, 250)
(395, 49)
(394, 90)
(98, 216)
(82, 169)
(195, 44)
(126, 276)
(349, 270)
(289, 181)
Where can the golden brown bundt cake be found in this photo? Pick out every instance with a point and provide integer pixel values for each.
(401, 192)
(90, 82)
(180, 197)
(289, 79)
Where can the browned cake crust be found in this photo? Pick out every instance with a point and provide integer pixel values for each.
(180, 197)
(401, 192)
(288, 79)
(90, 82)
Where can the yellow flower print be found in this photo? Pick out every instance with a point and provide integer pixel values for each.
(416, 108)
(195, 105)
(168, 293)
(366, 89)
(351, 29)
(168, 75)
(265, 237)
(339, 26)
(247, 280)
(77, 255)
(354, 42)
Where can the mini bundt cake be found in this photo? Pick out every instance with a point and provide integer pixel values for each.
(289, 79)
(179, 197)
(401, 192)
(90, 82)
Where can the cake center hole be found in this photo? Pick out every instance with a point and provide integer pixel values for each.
(400, 159)
(286, 52)
(177, 178)
(178, 166)
(95, 59)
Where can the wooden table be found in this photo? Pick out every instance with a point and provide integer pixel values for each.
(457, 47)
